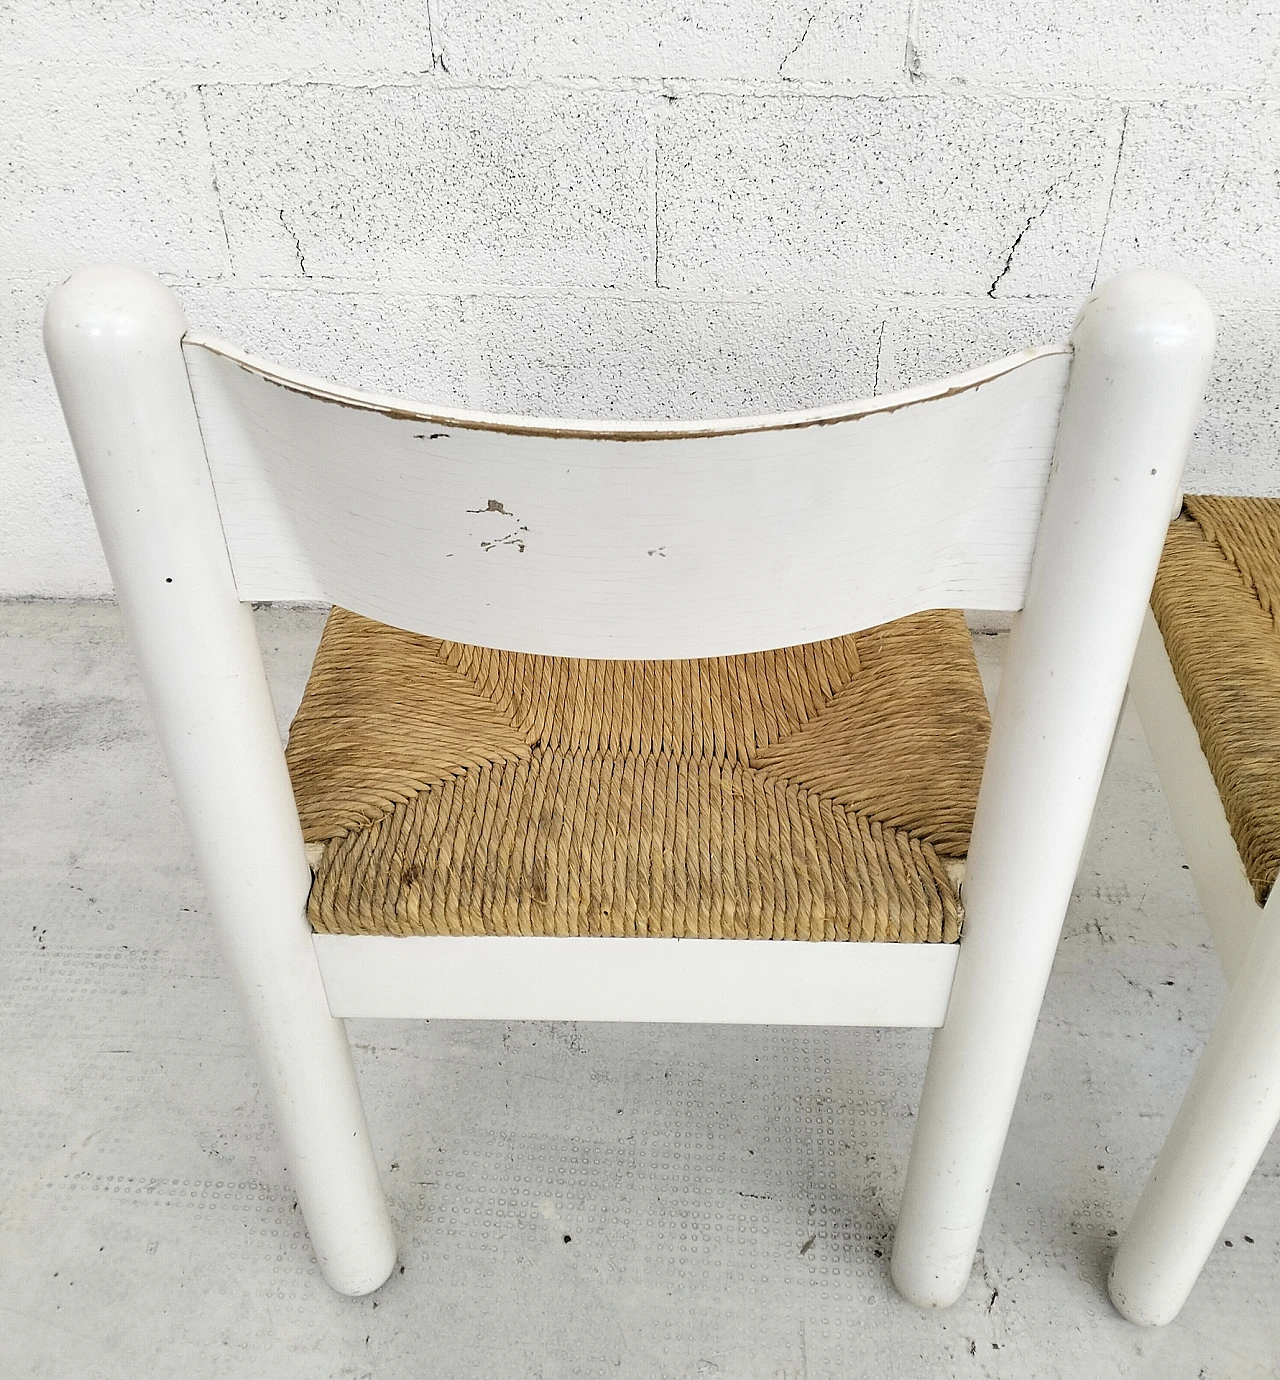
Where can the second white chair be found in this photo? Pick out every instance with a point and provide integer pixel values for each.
(1206, 684)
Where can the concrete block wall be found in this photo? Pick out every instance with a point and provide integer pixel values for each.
(639, 209)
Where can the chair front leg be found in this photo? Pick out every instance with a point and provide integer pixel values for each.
(1223, 1126)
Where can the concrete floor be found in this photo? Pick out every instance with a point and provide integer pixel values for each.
(571, 1201)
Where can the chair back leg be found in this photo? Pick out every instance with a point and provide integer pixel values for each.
(113, 337)
(1142, 348)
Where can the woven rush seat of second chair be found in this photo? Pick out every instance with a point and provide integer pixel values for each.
(1217, 602)
(822, 792)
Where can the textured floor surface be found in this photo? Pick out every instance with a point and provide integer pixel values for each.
(571, 1200)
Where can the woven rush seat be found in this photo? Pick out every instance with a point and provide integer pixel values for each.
(821, 792)
(1217, 603)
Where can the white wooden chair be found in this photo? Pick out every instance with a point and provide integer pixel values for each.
(1206, 684)
(1042, 483)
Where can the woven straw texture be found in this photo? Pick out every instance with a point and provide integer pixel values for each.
(820, 792)
(1217, 602)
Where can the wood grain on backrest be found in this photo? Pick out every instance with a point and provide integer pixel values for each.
(649, 540)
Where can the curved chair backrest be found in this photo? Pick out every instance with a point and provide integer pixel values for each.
(662, 539)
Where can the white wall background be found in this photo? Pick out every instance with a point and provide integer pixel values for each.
(632, 206)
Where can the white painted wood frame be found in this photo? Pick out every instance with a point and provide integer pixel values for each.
(1042, 483)
(695, 981)
(1232, 1106)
